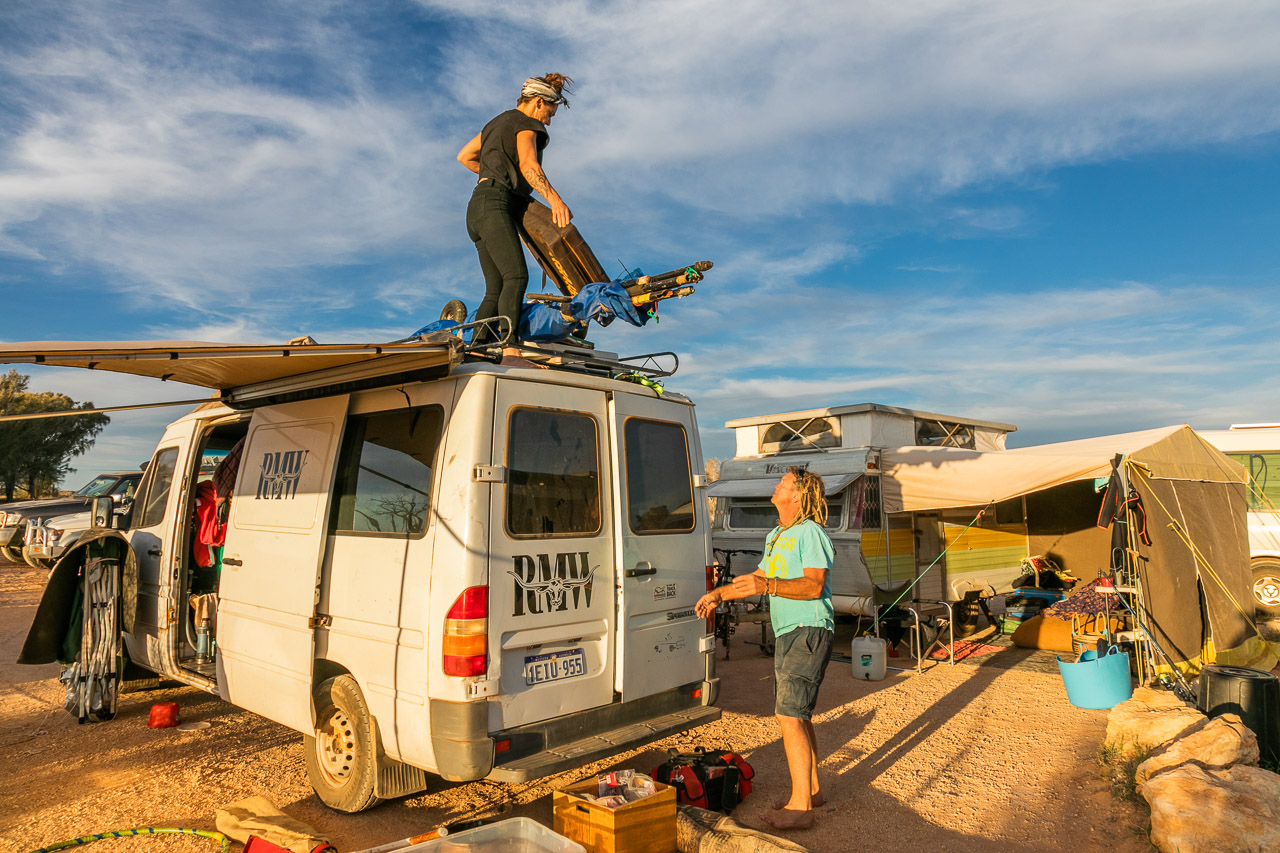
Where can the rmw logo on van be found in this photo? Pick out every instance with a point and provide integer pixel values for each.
(542, 587)
(280, 473)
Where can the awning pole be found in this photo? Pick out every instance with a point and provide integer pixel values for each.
(71, 413)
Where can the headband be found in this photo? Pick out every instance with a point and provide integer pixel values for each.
(536, 87)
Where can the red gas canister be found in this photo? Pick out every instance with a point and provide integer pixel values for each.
(163, 715)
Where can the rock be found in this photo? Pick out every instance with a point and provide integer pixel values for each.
(1150, 719)
(1220, 743)
(702, 831)
(1194, 810)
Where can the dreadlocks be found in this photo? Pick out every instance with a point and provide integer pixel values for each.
(813, 495)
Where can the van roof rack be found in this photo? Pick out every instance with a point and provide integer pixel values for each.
(587, 359)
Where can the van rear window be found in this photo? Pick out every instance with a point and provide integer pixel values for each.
(659, 485)
(553, 474)
(384, 472)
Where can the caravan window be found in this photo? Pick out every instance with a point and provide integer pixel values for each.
(934, 433)
(803, 434)
(384, 472)
(1264, 492)
(760, 514)
(553, 474)
(659, 482)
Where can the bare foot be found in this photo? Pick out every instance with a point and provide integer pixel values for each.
(519, 361)
(789, 819)
(814, 801)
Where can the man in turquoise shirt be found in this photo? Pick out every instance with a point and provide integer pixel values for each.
(795, 573)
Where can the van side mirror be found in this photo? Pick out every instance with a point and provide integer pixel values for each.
(103, 512)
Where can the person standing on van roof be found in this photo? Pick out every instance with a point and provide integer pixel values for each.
(795, 573)
(507, 155)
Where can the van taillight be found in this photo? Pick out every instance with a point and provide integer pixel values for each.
(466, 627)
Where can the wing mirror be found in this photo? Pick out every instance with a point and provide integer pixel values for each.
(103, 512)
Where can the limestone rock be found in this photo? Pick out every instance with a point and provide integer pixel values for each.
(1149, 720)
(1220, 743)
(1194, 810)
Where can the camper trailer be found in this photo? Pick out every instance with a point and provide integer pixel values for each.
(843, 444)
(1256, 446)
(430, 565)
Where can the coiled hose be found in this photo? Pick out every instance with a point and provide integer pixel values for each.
(141, 830)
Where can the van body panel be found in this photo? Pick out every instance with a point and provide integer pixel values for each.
(551, 556)
(662, 528)
(272, 558)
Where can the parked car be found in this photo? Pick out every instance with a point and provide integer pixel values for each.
(16, 517)
(48, 539)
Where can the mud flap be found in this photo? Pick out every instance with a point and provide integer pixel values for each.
(395, 779)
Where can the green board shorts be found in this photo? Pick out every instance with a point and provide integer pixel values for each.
(800, 659)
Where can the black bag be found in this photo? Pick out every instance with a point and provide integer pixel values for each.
(714, 779)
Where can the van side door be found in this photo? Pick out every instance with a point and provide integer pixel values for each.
(551, 570)
(662, 532)
(275, 541)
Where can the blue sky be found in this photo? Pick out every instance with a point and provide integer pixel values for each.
(1058, 215)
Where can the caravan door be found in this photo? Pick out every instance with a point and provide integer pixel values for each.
(271, 563)
(551, 569)
(662, 528)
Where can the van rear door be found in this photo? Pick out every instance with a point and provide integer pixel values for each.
(551, 565)
(662, 532)
(271, 563)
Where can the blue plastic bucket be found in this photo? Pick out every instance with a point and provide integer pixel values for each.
(1097, 682)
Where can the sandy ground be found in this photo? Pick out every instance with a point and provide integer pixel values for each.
(983, 756)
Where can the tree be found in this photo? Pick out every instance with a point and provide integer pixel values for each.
(712, 470)
(37, 453)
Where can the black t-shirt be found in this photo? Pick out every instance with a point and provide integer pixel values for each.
(499, 160)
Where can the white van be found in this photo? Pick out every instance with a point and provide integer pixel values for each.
(1257, 448)
(430, 566)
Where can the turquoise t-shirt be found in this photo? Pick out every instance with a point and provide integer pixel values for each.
(788, 552)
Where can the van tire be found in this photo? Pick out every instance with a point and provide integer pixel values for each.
(1266, 587)
(342, 760)
(11, 555)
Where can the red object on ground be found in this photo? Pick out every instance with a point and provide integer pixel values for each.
(258, 845)
(164, 715)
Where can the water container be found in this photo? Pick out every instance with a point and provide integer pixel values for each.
(1096, 681)
(1251, 693)
(868, 658)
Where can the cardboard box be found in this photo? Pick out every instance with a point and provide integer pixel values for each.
(645, 826)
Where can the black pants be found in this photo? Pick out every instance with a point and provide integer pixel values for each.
(491, 224)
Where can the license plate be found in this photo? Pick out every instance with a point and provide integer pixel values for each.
(555, 666)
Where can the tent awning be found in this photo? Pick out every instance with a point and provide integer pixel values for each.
(762, 487)
(224, 367)
(926, 478)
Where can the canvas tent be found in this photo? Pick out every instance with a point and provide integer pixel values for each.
(1194, 502)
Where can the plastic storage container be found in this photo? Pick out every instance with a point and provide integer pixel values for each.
(514, 835)
(1097, 682)
(869, 655)
(1251, 693)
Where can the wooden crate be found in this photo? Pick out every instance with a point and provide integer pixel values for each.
(645, 826)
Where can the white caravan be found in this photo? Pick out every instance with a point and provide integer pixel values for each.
(842, 444)
(430, 566)
(1257, 448)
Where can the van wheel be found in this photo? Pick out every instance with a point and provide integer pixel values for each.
(341, 756)
(1266, 587)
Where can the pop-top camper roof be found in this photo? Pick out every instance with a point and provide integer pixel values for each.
(863, 425)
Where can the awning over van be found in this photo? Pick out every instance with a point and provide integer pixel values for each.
(925, 478)
(762, 487)
(225, 367)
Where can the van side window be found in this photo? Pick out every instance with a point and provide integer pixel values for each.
(1264, 493)
(159, 479)
(553, 474)
(659, 485)
(384, 472)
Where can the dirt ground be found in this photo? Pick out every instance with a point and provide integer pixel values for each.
(986, 755)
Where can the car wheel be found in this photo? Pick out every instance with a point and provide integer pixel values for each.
(1266, 587)
(11, 555)
(342, 763)
(33, 561)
